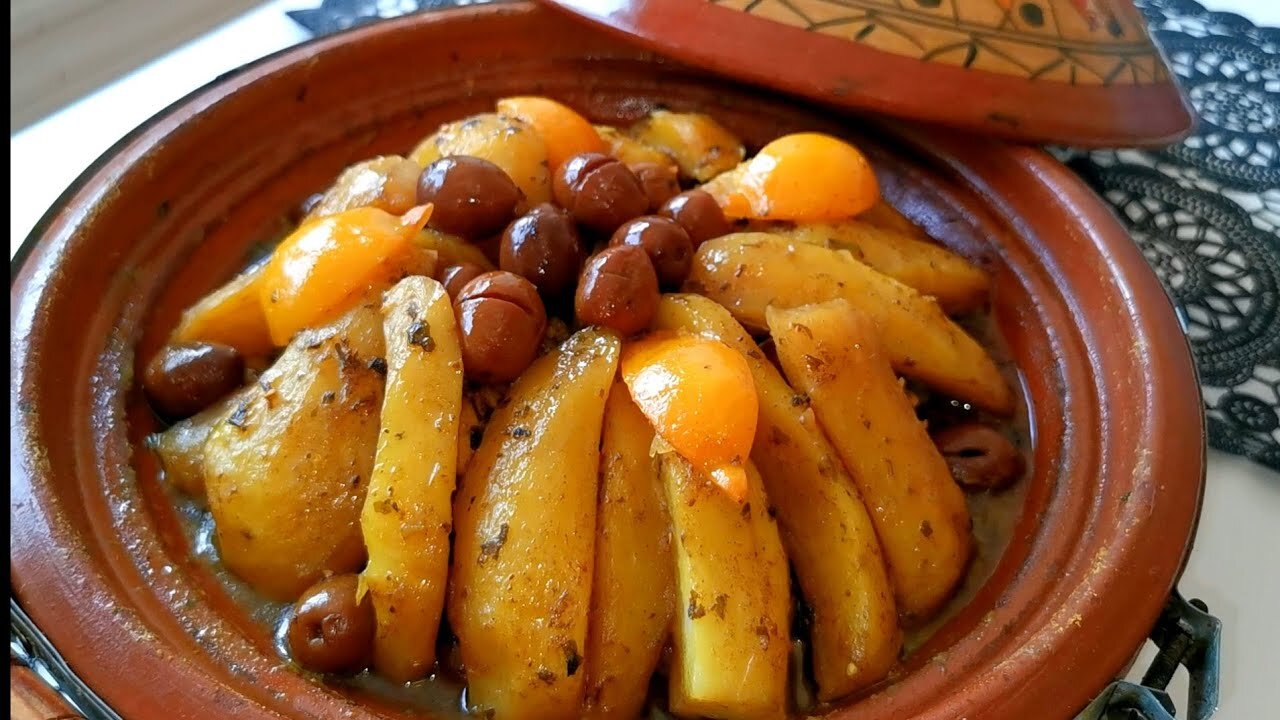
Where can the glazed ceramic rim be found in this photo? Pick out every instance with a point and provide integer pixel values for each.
(1092, 657)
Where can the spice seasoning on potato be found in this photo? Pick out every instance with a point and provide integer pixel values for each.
(330, 631)
(185, 378)
(666, 243)
(542, 247)
(500, 320)
(618, 290)
(699, 214)
(471, 197)
(599, 191)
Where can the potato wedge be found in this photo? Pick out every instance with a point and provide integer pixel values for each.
(733, 600)
(831, 352)
(748, 272)
(957, 285)
(451, 249)
(883, 215)
(408, 513)
(180, 447)
(633, 595)
(524, 547)
(511, 144)
(700, 146)
(470, 430)
(388, 182)
(826, 530)
(231, 315)
(286, 471)
(629, 150)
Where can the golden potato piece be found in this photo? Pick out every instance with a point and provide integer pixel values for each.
(957, 285)
(700, 146)
(629, 150)
(408, 511)
(826, 530)
(830, 352)
(388, 182)
(451, 249)
(524, 547)
(231, 315)
(286, 471)
(748, 272)
(733, 600)
(633, 596)
(511, 144)
(180, 447)
(883, 215)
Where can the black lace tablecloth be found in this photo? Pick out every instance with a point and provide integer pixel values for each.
(1206, 213)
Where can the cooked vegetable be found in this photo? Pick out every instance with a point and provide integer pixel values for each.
(633, 595)
(825, 526)
(469, 196)
(733, 600)
(700, 146)
(629, 150)
(699, 396)
(184, 378)
(747, 272)
(388, 183)
(286, 470)
(565, 132)
(451, 249)
(407, 512)
(599, 191)
(699, 214)
(954, 282)
(618, 290)
(329, 265)
(507, 142)
(470, 430)
(332, 627)
(525, 521)
(803, 177)
(883, 215)
(542, 246)
(831, 353)
(501, 321)
(231, 315)
(180, 448)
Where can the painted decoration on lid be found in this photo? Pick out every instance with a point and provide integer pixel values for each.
(1078, 42)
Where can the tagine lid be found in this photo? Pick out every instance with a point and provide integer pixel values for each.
(1077, 72)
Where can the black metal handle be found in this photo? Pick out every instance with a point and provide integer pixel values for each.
(1187, 635)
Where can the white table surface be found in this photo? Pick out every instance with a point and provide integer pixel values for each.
(1234, 567)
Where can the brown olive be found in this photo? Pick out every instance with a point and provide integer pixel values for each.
(980, 457)
(471, 197)
(599, 191)
(501, 320)
(329, 632)
(668, 245)
(618, 290)
(699, 214)
(542, 247)
(456, 277)
(660, 182)
(183, 379)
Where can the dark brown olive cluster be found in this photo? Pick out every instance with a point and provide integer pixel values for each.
(651, 230)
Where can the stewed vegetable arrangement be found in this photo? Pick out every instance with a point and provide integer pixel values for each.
(577, 401)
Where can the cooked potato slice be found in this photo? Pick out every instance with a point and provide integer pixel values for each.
(733, 599)
(884, 215)
(629, 150)
(408, 510)
(748, 272)
(511, 144)
(469, 431)
(286, 471)
(633, 596)
(954, 282)
(231, 315)
(825, 526)
(831, 352)
(451, 249)
(524, 548)
(700, 146)
(180, 447)
(388, 183)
